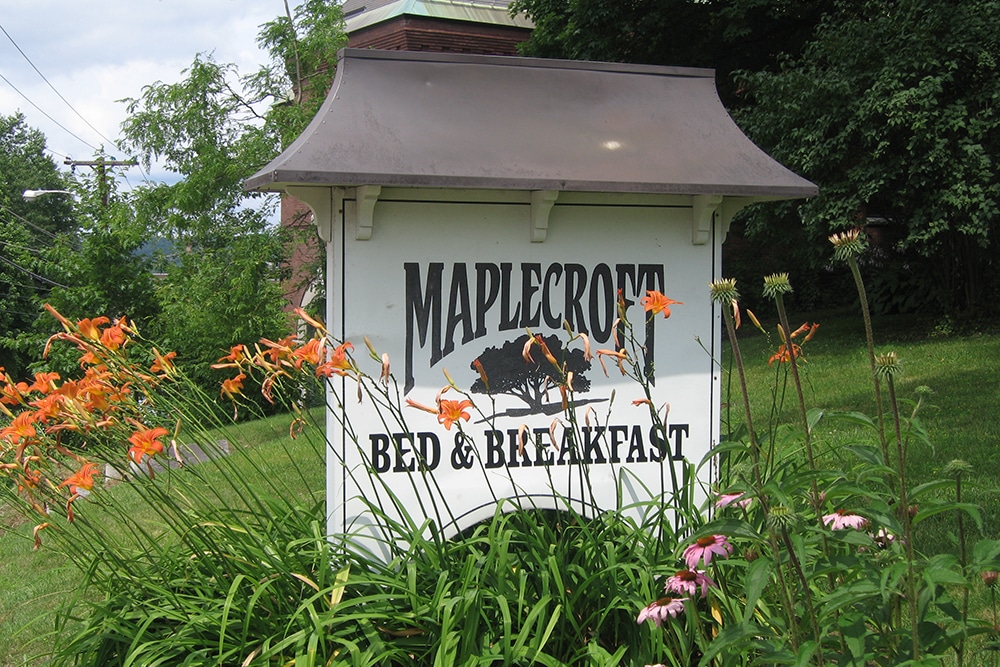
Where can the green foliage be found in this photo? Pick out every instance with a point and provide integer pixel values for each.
(900, 128)
(217, 298)
(26, 229)
(303, 49)
(228, 561)
(203, 131)
(724, 35)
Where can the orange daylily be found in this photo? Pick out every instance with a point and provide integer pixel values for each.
(278, 350)
(310, 320)
(236, 354)
(534, 339)
(783, 355)
(163, 363)
(619, 356)
(338, 363)
(311, 352)
(233, 386)
(450, 412)
(81, 479)
(90, 328)
(655, 302)
(22, 428)
(43, 382)
(13, 394)
(420, 406)
(146, 443)
(47, 407)
(114, 336)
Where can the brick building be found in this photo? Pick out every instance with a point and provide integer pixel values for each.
(482, 27)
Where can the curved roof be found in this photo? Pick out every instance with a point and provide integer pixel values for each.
(397, 118)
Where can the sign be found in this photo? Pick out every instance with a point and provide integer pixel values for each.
(450, 285)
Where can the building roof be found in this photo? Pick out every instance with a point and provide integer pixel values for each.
(360, 14)
(397, 118)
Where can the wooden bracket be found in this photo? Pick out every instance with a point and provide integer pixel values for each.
(542, 202)
(703, 209)
(367, 198)
(320, 202)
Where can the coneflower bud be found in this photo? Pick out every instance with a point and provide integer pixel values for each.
(990, 578)
(957, 468)
(781, 517)
(724, 290)
(887, 364)
(847, 244)
(776, 284)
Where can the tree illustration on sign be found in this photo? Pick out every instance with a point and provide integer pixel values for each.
(508, 372)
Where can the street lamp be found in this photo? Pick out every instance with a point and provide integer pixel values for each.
(32, 195)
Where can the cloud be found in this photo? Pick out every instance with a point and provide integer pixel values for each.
(97, 53)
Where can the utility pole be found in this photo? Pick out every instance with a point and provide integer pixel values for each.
(100, 165)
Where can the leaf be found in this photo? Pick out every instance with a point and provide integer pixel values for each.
(729, 528)
(732, 636)
(867, 453)
(340, 585)
(969, 508)
(757, 577)
(858, 418)
(813, 417)
(985, 551)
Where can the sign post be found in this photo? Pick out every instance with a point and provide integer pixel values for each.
(530, 243)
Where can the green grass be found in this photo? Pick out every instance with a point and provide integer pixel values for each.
(35, 584)
(960, 416)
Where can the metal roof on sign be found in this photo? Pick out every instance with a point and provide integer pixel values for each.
(396, 118)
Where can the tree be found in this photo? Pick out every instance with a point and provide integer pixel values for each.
(508, 372)
(891, 110)
(214, 130)
(26, 229)
(725, 35)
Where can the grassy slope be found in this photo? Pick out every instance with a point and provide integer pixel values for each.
(33, 584)
(961, 417)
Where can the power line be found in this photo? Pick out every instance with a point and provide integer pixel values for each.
(29, 222)
(18, 246)
(68, 131)
(30, 273)
(72, 108)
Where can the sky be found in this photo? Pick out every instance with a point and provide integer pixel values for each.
(81, 56)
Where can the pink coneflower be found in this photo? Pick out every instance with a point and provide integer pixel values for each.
(706, 547)
(842, 519)
(727, 499)
(661, 610)
(688, 581)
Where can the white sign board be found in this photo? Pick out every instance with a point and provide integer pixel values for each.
(440, 283)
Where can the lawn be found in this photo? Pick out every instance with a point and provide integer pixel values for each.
(34, 584)
(960, 415)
